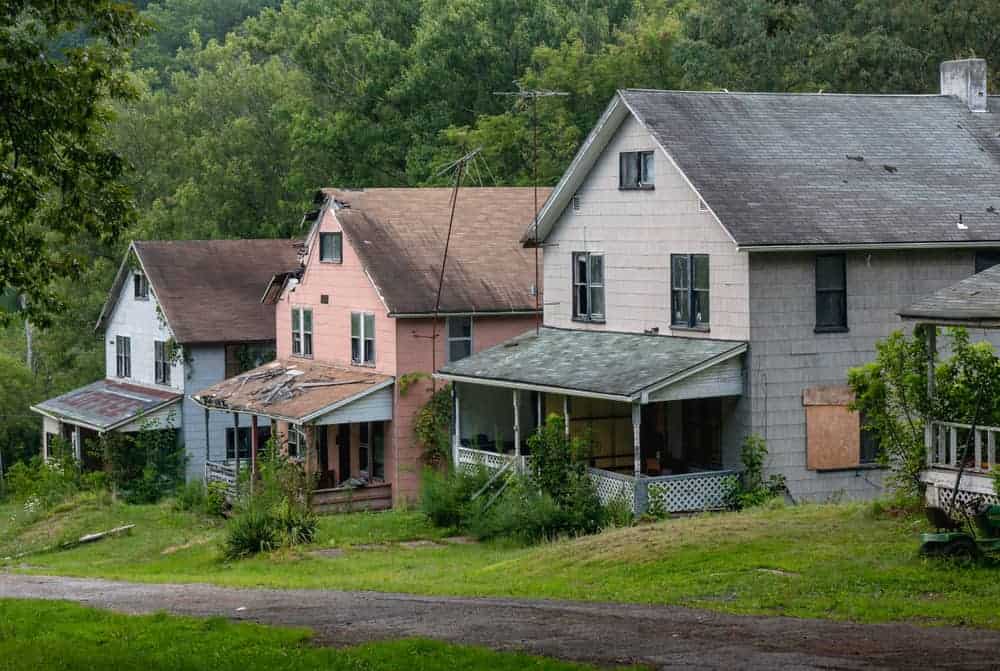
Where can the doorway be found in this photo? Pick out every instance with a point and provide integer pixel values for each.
(343, 452)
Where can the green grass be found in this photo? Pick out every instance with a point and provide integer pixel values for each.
(830, 561)
(56, 635)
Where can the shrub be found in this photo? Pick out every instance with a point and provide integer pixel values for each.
(190, 497)
(249, 533)
(145, 466)
(44, 483)
(752, 489)
(445, 497)
(216, 502)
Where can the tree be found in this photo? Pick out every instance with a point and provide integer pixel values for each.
(61, 62)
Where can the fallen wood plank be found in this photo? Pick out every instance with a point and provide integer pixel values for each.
(90, 538)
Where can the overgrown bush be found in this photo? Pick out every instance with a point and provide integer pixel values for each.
(445, 497)
(272, 511)
(216, 502)
(45, 483)
(145, 466)
(190, 497)
(432, 425)
(751, 488)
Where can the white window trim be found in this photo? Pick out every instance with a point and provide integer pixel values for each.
(363, 336)
(589, 317)
(161, 363)
(339, 260)
(296, 437)
(298, 328)
(449, 339)
(123, 357)
(143, 285)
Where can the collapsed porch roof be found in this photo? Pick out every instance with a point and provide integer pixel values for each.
(599, 364)
(974, 301)
(297, 391)
(106, 405)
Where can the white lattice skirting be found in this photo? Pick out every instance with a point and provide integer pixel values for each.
(613, 486)
(689, 492)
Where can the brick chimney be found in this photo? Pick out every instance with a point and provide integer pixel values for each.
(966, 80)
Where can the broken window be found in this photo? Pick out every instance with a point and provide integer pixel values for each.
(689, 290)
(296, 440)
(331, 247)
(588, 286)
(363, 338)
(459, 338)
(123, 356)
(831, 292)
(635, 170)
(141, 286)
(302, 332)
(161, 362)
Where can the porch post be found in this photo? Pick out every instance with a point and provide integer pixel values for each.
(236, 447)
(208, 450)
(310, 432)
(456, 440)
(566, 415)
(636, 433)
(931, 333)
(517, 427)
(253, 448)
(77, 447)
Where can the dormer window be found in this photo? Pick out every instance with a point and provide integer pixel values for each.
(331, 247)
(141, 286)
(635, 170)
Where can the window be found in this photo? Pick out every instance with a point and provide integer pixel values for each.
(242, 438)
(161, 363)
(987, 258)
(363, 338)
(123, 356)
(302, 332)
(836, 438)
(871, 448)
(689, 290)
(296, 440)
(331, 246)
(459, 338)
(141, 286)
(588, 286)
(831, 292)
(635, 170)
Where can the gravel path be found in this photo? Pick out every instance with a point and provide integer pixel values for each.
(662, 637)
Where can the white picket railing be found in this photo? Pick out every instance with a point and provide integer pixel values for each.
(947, 441)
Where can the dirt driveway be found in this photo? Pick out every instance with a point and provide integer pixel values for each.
(659, 636)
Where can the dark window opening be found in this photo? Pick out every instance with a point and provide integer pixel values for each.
(689, 290)
(831, 292)
(141, 286)
(459, 338)
(871, 447)
(588, 286)
(244, 442)
(123, 356)
(331, 247)
(161, 363)
(635, 170)
(986, 259)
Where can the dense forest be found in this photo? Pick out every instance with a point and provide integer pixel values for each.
(240, 109)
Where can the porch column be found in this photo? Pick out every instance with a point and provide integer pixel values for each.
(236, 446)
(253, 448)
(77, 447)
(310, 433)
(636, 434)
(456, 441)
(566, 415)
(517, 427)
(930, 332)
(208, 449)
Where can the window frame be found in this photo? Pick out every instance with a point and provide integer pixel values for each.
(691, 292)
(161, 363)
(449, 338)
(869, 445)
(589, 286)
(302, 338)
(123, 356)
(339, 237)
(243, 442)
(296, 437)
(366, 352)
(645, 172)
(140, 286)
(841, 325)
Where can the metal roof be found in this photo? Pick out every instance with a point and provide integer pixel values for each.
(592, 363)
(295, 390)
(973, 301)
(106, 404)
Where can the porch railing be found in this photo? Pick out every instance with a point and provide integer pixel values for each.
(468, 456)
(946, 441)
(221, 471)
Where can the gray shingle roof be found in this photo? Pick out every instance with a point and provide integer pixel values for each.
(797, 169)
(106, 404)
(599, 362)
(973, 300)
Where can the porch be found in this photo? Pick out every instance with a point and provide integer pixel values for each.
(335, 421)
(946, 442)
(660, 414)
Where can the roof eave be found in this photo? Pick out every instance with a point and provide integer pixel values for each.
(863, 246)
(524, 386)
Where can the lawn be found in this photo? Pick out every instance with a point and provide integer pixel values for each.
(56, 635)
(831, 561)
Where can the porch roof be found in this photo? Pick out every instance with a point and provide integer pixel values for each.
(619, 366)
(294, 390)
(106, 404)
(974, 301)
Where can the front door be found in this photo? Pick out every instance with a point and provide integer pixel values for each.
(344, 451)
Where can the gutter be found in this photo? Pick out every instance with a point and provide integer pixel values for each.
(863, 246)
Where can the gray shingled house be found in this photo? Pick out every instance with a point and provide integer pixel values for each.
(714, 265)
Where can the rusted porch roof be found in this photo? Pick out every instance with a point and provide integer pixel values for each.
(106, 405)
(293, 390)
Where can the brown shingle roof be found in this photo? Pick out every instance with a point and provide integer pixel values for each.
(399, 234)
(210, 290)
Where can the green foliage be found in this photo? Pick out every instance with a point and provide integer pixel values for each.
(144, 466)
(216, 503)
(445, 497)
(251, 532)
(41, 483)
(190, 497)
(432, 427)
(751, 488)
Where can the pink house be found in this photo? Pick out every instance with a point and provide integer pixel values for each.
(357, 316)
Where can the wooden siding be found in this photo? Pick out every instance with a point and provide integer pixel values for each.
(375, 407)
(723, 379)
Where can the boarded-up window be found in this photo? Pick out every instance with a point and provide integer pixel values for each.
(833, 430)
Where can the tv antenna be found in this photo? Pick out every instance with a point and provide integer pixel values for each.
(524, 97)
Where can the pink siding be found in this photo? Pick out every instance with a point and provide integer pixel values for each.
(349, 290)
(413, 354)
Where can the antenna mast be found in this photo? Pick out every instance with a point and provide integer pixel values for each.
(523, 95)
